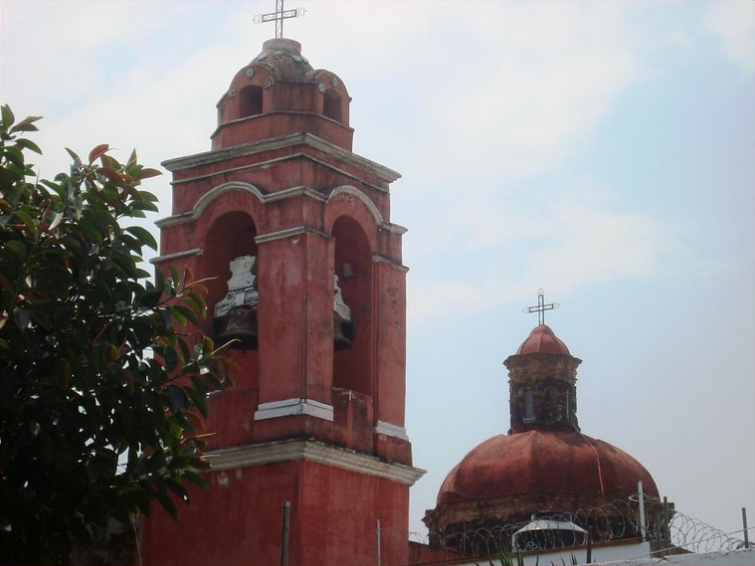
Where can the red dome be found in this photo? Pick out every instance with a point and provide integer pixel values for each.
(542, 340)
(545, 462)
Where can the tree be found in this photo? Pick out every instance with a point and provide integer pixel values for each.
(102, 393)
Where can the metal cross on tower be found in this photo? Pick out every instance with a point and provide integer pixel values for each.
(541, 307)
(278, 16)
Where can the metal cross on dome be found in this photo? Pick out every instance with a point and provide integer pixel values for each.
(541, 307)
(278, 16)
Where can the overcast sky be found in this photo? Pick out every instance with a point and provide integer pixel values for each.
(601, 150)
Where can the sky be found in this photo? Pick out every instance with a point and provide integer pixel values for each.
(604, 151)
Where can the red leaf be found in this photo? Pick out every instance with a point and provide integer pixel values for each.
(146, 173)
(97, 151)
(110, 174)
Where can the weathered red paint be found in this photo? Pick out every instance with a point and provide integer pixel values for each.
(542, 340)
(334, 516)
(281, 183)
(546, 461)
(545, 464)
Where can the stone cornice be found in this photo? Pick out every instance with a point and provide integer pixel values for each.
(176, 255)
(282, 142)
(312, 451)
(288, 233)
(378, 258)
(291, 407)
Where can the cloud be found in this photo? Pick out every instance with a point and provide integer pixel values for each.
(565, 245)
(529, 88)
(92, 39)
(734, 24)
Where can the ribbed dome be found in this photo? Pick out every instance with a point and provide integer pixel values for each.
(545, 462)
(542, 340)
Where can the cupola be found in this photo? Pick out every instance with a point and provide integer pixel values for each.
(279, 93)
(542, 383)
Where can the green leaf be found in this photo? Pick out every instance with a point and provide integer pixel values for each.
(8, 117)
(28, 144)
(28, 221)
(167, 504)
(18, 248)
(196, 479)
(15, 156)
(143, 235)
(178, 489)
(26, 125)
(177, 398)
(199, 399)
(199, 463)
(177, 314)
(160, 280)
(173, 273)
(73, 155)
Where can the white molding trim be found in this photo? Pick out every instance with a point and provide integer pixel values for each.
(390, 429)
(377, 258)
(205, 200)
(294, 192)
(351, 191)
(288, 233)
(395, 228)
(176, 255)
(293, 407)
(313, 451)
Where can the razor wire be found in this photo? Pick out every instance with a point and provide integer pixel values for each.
(612, 522)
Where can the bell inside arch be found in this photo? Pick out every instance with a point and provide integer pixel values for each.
(343, 333)
(343, 328)
(236, 314)
(241, 326)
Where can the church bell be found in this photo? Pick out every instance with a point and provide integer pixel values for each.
(343, 333)
(241, 326)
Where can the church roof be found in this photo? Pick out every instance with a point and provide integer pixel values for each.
(545, 462)
(542, 340)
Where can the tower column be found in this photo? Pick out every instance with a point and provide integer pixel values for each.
(295, 320)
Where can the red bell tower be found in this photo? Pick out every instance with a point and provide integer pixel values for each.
(296, 229)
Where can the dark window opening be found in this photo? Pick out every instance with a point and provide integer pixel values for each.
(250, 101)
(332, 106)
(529, 406)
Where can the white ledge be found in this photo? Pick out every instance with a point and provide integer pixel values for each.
(288, 233)
(176, 255)
(294, 407)
(390, 429)
(313, 451)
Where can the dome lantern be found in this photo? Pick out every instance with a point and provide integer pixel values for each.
(542, 383)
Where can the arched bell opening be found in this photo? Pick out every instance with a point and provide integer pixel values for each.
(230, 259)
(332, 106)
(250, 101)
(353, 282)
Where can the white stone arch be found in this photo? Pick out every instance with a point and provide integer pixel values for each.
(349, 190)
(204, 201)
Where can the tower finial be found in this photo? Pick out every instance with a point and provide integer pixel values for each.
(278, 16)
(541, 307)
